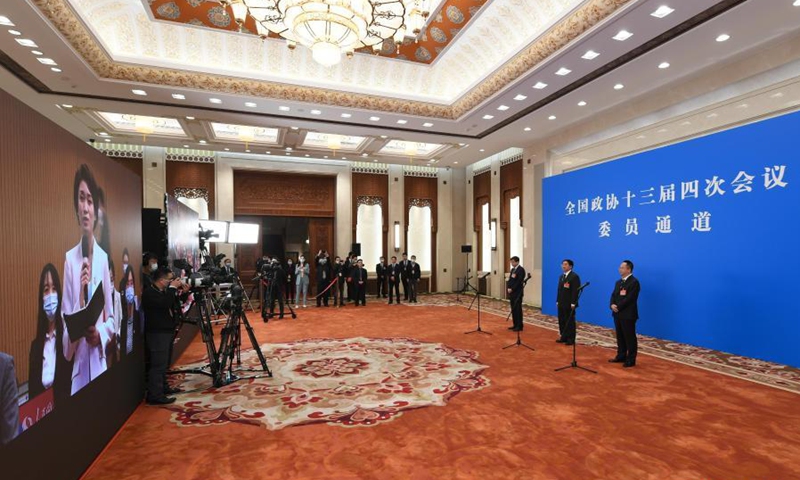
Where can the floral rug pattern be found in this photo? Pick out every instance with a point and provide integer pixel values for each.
(353, 382)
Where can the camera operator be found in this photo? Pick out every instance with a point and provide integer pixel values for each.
(338, 287)
(324, 277)
(277, 284)
(158, 302)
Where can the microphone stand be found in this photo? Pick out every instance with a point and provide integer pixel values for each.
(478, 298)
(574, 363)
(518, 302)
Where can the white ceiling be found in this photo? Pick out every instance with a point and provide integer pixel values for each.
(750, 24)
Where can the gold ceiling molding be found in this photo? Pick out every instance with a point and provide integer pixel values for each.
(66, 21)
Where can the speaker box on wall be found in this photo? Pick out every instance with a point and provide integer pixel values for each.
(466, 248)
(356, 249)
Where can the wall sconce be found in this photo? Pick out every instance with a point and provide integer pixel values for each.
(396, 236)
(493, 230)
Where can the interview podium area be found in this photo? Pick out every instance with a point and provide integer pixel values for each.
(667, 412)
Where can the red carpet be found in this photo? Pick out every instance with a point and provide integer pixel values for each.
(660, 420)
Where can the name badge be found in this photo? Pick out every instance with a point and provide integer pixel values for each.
(566, 285)
(623, 292)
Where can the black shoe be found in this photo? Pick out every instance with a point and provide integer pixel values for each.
(617, 360)
(161, 401)
(628, 364)
(390, 302)
(171, 391)
(560, 340)
(511, 328)
(569, 343)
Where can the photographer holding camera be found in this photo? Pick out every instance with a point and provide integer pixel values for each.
(158, 302)
(275, 276)
(324, 277)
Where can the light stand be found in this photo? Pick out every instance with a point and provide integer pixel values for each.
(465, 288)
(239, 282)
(574, 363)
(478, 298)
(518, 302)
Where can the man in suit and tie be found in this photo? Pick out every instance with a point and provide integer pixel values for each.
(567, 299)
(359, 275)
(405, 274)
(413, 278)
(514, 288)
(380, 271)
(393, 273)
(625, 309)
(227, 268)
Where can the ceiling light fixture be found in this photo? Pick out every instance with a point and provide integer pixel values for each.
(662, 11)
(540, 86)
(374, 119)
(189, 118)
(187, 146)
(26, 42)
(179, 96)
(36, 52)
(622, 35)
(488, 117)
(6, 22)
(590, 55)
(619, 86)
(563, 71)
(330, 28)
(66, 105)
(56, 69)
(250, 104)
(46, 61)
(141, 93)
(216, 101)
(203, 142)
(581, 103)
(551, 117)
(481, 150)
(346, 115)
(103, 134)
(294, 128)
(15, 32)
(723, 38)
(527, 129)
(520, 97)
(503, 108)
(663, 65)
(316, 112)
(402, 122)
(427, 124)
(107, 139)
(284, 109)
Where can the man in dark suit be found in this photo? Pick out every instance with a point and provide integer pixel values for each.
(9, 409)
(359, 276)
(158, 301)
(405, 274)
(393, 273)
(413, 278)
(566, 301)
(346, 271)
(227, 268)
(624, 305)
(380, 271)
(514, 288)
(338, 288)
(324, 277)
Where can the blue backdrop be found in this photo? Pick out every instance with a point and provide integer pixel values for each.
(712, 227)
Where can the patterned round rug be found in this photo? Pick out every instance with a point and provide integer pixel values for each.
(352, 382)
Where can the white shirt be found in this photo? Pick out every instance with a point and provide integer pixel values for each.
(566, 274)
(626, 277)
(49, 363)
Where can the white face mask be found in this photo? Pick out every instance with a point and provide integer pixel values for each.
(153, 267)
(302, 259)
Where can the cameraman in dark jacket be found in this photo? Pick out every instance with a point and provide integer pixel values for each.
(158, 301)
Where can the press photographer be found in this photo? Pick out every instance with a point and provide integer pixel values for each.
(158, 302)
(273, 278)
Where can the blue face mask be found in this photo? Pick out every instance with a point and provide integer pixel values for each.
(50, 305)
(129, 294)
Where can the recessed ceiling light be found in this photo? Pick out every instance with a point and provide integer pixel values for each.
(15, 32)
(141, 93)
(344, 158)
(103, 134)
(47, 61)
(622, 35)
(563, 71)
(374, 119)
(581, 103)
(462, 144)
(307, 155)
(346, 115)
(203, 142)
(250, 104)
(455, 163)
(187, 146)
(294, 128)
(662, 11)
(287, 153)
(540, 85)
(284, 109)
(179, 96)
(503, 108)
(375, 161)
(488, 117)
(325, 156)
(5, 21)
(247, 151)
(402, 122)
(108, 139)
(36, 52)
(215, 100)
(226, 149)
(427, 124)
(364, 155)
(316, 112)
(66, 105)
(520, 97)
(288, 149)
(384, 136)
(663, 65)
(481, 150)
(189, 118)
(619, 86)
(590, 55)
(796, 3)
(527, 129)
(269, 153)
(26, 42)
(56, 69)
(551, 117)
(723, 38)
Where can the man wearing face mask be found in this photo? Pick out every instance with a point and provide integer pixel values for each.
(394, 280)
(413, 279)
(359, 276)
(158, 301)
(289, 281)
(380, 272)
(324, 274)
(227, 268)
(338, 287)
(150, 265)
(514, 288)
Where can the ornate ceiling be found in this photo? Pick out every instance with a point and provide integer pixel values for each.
(120, 40)
(445, 24)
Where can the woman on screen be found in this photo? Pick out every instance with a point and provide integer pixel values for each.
(113, 348)
(127, 287)
(85, 272)
(301, 273)
(47, 366)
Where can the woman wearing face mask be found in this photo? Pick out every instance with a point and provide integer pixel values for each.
(301, 274)
(48, 367)
(128, 328)
(113, 347)
(290, 281)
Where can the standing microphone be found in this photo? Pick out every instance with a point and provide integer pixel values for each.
(85, 254)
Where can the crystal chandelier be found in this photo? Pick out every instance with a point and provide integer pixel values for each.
(333, 27)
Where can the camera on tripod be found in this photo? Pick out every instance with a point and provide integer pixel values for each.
(207, 276)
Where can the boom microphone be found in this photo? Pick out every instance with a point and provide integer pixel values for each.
(85, 254)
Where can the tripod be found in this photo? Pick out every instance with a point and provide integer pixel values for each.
(466, 286)
(270, 298)
(478, 298)
(517, 302)
(238, 281)
(203, 321)
(574, 363)
(231, 342)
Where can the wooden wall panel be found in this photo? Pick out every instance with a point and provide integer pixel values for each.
(193, 175)
(134, 165)
(371, 185)
(424, 188)
(38, 219)
(283, 194)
